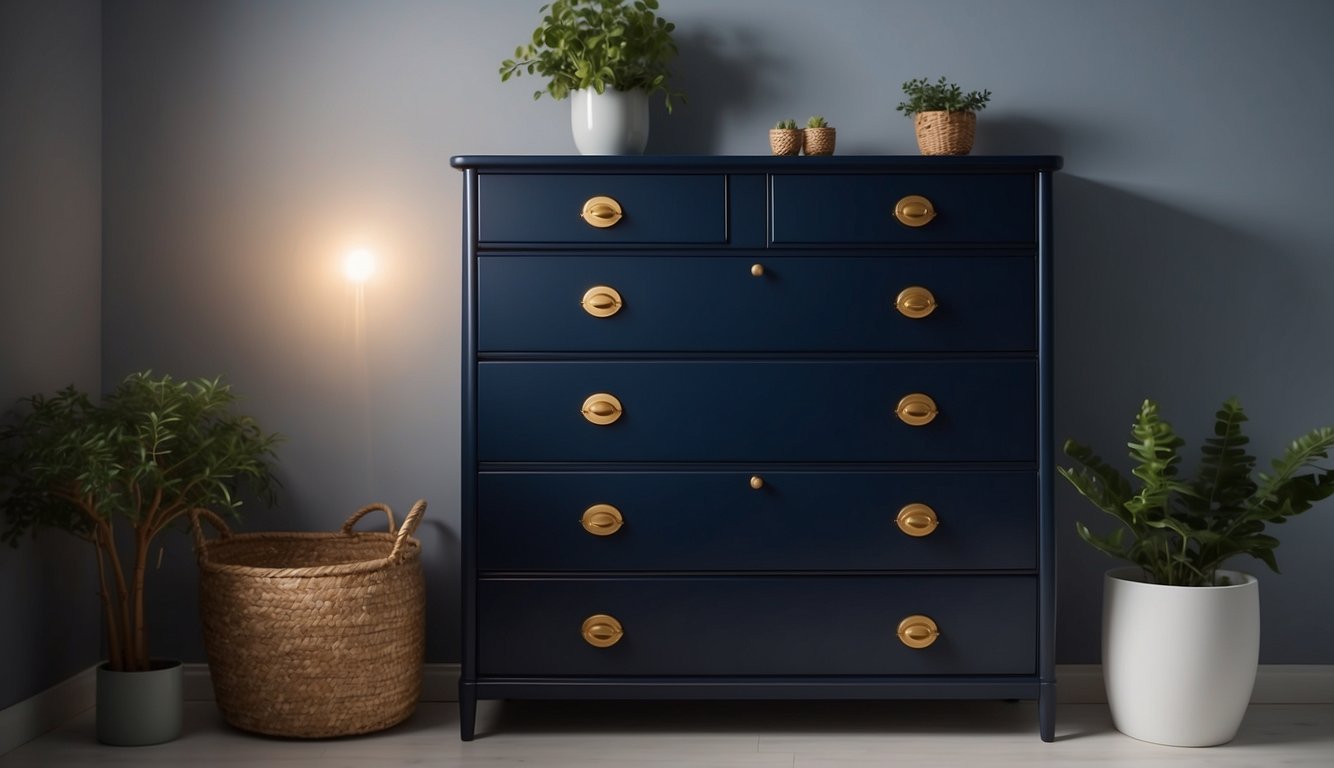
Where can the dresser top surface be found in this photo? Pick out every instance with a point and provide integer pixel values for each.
(759, 163)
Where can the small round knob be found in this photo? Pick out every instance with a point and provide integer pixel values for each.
(602, 631)
(757, 270)
(756, 482)
(915, 302)
(601, 301)
(916, 409)
(918, 631)
(602, 408)
(602, 520)
(914, 211)
(601, 212)
(917, 520)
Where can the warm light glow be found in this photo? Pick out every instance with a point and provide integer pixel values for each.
(359, 265)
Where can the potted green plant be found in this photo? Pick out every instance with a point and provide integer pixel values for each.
(116, 474)
(785, 138)
(818, 137)
(608, 56)
(945, 118)
(1181, 634)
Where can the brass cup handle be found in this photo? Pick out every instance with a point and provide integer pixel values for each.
(602, 631)
(601, 301)
(602, 520)
(602, 409)
(916, 409)
(915, 302)
(601, 212)
(914, 211)
(918, 631)
(917, 519)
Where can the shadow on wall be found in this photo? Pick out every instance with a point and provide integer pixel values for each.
(1151, 300)
(724, 73)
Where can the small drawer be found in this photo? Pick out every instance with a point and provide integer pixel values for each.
(621, 209)
(794, 521)
(761, 410)
(820, 625)
(949, 302)
(860, 209)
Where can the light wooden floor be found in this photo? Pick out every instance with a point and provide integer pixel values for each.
(712, 734)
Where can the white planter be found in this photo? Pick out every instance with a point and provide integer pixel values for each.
(609, 123)
(1179, 662)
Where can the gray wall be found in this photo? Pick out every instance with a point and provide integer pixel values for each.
(50, 298)
(248, 142)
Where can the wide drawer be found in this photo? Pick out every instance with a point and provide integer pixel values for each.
(547, 208)
(716, 521)
(819, 625)
(684, 303)
(814, 410)
(859, 208)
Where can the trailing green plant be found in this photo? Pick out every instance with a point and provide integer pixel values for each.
(598, 44)
(118, 473)
(940, 96)
(786, 125)
(817, 121)
(1181, 531)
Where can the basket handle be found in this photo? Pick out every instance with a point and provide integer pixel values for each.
(409, 527)
(218, 525)
(360, 513)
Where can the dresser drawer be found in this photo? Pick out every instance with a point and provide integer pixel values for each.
(546, 208)
(851, 208)
(715, 521)
(809, 411)
(828, 625)
(715, 303)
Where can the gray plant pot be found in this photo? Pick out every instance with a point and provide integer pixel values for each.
(136, 709)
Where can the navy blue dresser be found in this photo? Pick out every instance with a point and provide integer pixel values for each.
(752, 428)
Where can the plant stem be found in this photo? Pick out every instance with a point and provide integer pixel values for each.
(115, 657)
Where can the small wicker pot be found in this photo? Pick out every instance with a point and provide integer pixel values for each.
(819, 141)
(785, 142)
(945, 133)
(313, 635)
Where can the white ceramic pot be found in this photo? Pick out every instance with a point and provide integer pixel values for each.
(1179, 662)
(609, 123)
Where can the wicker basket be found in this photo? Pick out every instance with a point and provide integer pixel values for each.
(818, 141)
(945, 133)
(313, 634)
(785, 142)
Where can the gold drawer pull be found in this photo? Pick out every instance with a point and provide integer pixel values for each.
(915, 302)
(602, 631)
(914, 211)
(916, 409)
(756, 482)
(917, 520)
(757, 270)
(601, 301)
(601, 212)
(602, 520)
(918, 631)
(602, 408)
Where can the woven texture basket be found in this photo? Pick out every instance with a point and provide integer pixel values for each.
(313, 635)
(945, 133)
(818, 141)
(785, 142)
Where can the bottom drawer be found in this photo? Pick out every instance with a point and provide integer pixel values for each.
(817, 625)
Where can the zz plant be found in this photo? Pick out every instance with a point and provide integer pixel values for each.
(598, 44)
(1181, 530)
(118, 473)
(940, 96)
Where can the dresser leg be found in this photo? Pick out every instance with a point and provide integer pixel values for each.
(1047, 711)
(467, 711)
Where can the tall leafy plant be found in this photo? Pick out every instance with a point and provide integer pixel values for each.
(1181, 530)
(940, 96)
(118, 473)
(598, 44)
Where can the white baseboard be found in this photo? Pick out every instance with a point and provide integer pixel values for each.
(49, 709)
(1075, 684)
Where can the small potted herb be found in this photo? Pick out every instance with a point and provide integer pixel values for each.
(818, 138)
(785, 138)
(944, 116)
